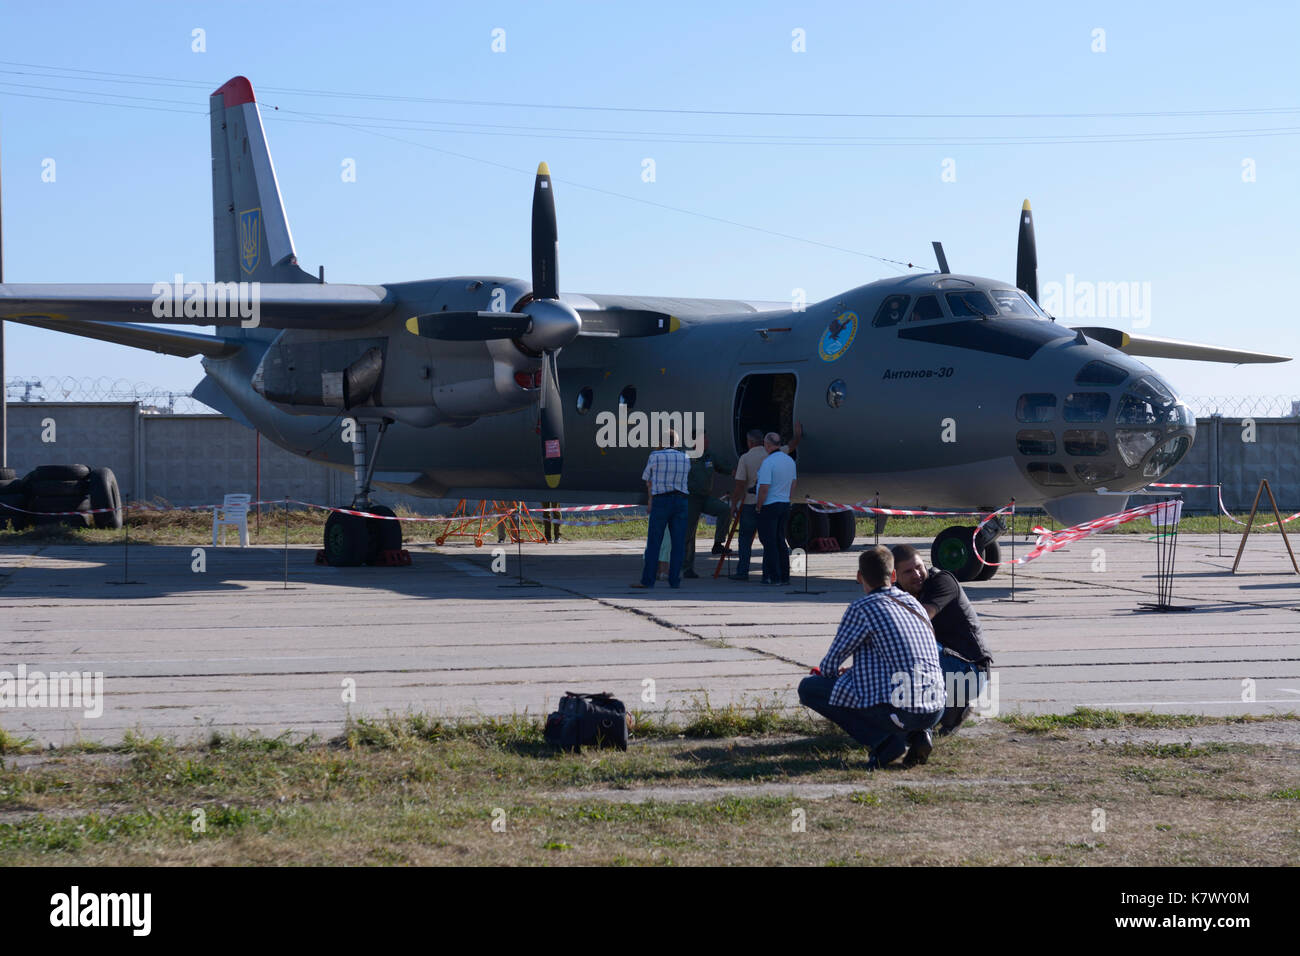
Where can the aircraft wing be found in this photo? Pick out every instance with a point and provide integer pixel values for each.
(275, 305)
(166, 341)
(1148, 346)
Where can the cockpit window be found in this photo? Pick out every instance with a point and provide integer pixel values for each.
(927, 307)
(1086, 406)
(1036, 407)
(970, 305)
(1012, 302)
(891, 310)
(1100, 373)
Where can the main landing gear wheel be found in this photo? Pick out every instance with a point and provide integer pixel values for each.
(992, 554)
(843, 528)
(347, 540)
(803, 525)
(383, 535)
(953, 550)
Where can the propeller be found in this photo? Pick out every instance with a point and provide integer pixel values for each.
(1027, 255)
(543, 324)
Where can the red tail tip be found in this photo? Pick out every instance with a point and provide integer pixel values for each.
(237, 91)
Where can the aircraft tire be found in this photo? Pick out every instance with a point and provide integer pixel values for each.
(104, 493)
(347, 540)
(54, 488)
(60, 473)
(992, 554)
(953, 550)
(803, 525)
(381, 535)
(843, 528)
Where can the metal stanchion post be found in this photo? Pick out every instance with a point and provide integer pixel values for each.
(286, 543)
(519, 542)
(1012, 599)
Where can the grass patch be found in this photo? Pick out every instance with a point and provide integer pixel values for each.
(11, 744)
(1088, 718)
(305, 526)
(414, 789)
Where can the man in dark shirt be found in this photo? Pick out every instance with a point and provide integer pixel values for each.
(700, 501)
(964, 655)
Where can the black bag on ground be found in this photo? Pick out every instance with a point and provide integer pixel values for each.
(587, 720)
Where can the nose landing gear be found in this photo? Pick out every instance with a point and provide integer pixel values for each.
(954, 550)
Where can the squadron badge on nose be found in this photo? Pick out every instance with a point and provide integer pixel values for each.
(839, 335)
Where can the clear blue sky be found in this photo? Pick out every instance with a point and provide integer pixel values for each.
(132, 201)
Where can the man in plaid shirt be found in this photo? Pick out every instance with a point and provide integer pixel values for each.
(665, 482)
(894, 692)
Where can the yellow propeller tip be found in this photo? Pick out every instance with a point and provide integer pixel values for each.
(543, 169)
(1025, 207)
(673, 323)
(552, 481)
(413, 325)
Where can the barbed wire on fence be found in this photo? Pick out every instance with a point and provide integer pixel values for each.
(1244, 406)
(71, 388)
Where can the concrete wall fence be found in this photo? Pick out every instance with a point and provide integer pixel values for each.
(196, 459)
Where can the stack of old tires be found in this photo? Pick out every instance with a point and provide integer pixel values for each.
(78, 489)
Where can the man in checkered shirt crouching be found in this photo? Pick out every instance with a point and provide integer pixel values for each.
(894, 692)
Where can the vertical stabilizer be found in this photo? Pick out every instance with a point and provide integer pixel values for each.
(250, 232)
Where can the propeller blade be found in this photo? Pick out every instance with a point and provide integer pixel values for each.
(626, 323)
(469, 326)
(546, 284)
(1027, 255)
(1148, 346)
(552, 413)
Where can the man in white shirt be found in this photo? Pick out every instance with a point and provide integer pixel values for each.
(745, 492)
(777, 477)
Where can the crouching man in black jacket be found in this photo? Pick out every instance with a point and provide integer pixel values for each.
(963, 654)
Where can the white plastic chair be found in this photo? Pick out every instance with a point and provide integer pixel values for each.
(233, 513)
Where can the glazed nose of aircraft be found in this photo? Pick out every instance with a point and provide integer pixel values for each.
(1118, 427)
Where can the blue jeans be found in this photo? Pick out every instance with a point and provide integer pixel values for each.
(667, 512)
(882, 727)
(776, 556)
(964, 682)
(745, 538)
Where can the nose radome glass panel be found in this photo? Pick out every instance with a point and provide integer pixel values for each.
(1086, 441)
(1049, 474)
(1036, 407)
(1134, 443)
(1086, 406)
(1036, 441)
(1169, 454)
(1100, 373)
(1097, 472)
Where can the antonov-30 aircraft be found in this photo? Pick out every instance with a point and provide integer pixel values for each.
(934, 390)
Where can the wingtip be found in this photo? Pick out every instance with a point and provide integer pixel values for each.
(543, 169)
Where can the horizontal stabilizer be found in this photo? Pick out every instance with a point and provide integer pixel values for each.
(278, 305)
(1148, 346)
(166, 341)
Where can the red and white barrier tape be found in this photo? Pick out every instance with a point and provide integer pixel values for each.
(829, 507)
(1049, 541)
